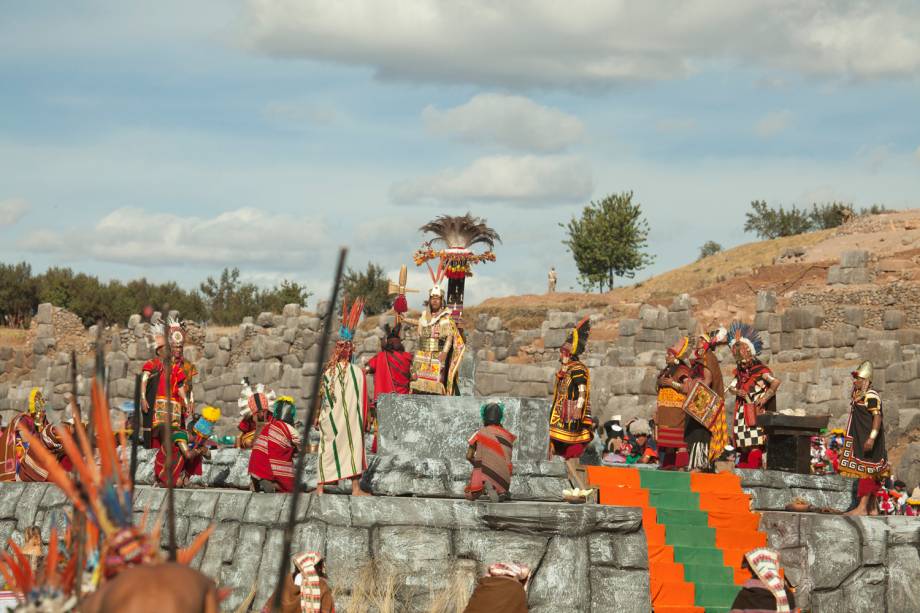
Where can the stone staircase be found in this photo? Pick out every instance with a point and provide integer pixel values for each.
(698, 527)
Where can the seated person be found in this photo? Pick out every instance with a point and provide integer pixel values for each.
(615, 447)
(503, 589)
(766, 590)
(642, 447)
(490, 454)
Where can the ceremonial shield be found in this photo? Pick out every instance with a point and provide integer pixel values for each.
(703, 404)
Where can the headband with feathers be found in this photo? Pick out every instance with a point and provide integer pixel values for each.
(740, 332)
(577, 340)
(350, 319)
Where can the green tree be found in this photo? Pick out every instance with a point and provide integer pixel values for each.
(229, 299)
(830, 215)
(709, 248)
(770, 223)
(608, 241)
(371, 285)
(289, 292)
(875, 209)
(18, 294)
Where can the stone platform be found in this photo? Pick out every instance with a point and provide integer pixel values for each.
(584, 557)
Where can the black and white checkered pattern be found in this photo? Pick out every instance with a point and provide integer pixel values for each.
(744, 436)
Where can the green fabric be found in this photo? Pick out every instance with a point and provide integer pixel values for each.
(687, 530)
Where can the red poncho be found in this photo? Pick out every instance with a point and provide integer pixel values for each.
(391, 372)
(273, 452)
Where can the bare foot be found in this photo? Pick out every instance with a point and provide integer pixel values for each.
(360, 492)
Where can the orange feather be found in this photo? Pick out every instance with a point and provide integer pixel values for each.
(105, 438)
(22, 565)
(186, 555)
(50, 463)
(6, 571)
(84, 470)
(51, 562)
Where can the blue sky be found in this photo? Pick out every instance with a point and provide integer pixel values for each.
(177, 140)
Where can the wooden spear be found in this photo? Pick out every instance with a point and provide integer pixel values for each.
(312, 404)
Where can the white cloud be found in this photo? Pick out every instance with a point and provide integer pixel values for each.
(136, 236)
(12, 211)
(503, 179)
(773, 123)
(514, 122)
(589, 43)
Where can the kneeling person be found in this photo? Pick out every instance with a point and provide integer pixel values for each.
(490, 454)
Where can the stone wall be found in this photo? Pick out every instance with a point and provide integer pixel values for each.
(585, 557)
(852, 564)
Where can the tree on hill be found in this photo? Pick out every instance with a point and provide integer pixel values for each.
(371, 285)
(709, 248)
(229, 300)
(18, 294)
(608, 241)
(770, 223)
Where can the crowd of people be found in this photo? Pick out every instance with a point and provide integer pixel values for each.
(689, 431)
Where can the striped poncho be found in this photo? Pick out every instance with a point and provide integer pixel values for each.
(341, 423)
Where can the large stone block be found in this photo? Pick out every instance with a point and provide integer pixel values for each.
(766, 301)
(45, 313)
(561, 567)
(834, 545)
(858, 258)
(903, 574)
(909, 466)
(893, 319)
(438, 426)
(863, 592)
(881, 353)
(620, 590)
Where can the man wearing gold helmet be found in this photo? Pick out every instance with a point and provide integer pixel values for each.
(436, 363)
(864, 455)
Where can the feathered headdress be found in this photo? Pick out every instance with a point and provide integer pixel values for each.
(455, 235)
(177, 332)
(104, 492)
(254, 399)
(36, 401)
(740, 332)
(350, 319)
(577, 340)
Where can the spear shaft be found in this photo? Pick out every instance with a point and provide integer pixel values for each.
(301, 453)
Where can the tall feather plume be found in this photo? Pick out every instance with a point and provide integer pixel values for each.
(21, 567)
(461, 231)
(56, 474)
(188, 554)
(51, 561)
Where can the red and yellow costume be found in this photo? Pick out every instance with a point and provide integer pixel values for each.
(570, 425)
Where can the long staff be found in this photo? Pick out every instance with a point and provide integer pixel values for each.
(313, 402)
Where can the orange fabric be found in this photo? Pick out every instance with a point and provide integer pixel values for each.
(622, 487)
(728, 508)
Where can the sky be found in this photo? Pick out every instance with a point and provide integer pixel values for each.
(173, 139)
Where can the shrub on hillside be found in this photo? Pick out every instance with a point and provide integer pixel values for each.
(709, 248)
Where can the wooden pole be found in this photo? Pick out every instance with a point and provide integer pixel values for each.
(312, 404)
(167, 445)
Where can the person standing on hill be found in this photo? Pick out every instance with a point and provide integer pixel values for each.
(551, 278)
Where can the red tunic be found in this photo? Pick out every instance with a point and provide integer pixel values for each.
(391, 372)
(181, 466)
(176, 381)
(272, 456)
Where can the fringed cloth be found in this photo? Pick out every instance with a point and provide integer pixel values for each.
(311, 594)
(273, 452)
(765, 565)
(493, 446)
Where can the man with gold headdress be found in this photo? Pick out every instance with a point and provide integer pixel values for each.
(178, 335)
(436, 363)
(706, 442)
(864, 456)
(570, 425)
(30, 469)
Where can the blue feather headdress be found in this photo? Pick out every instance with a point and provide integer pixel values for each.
(745, 333)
